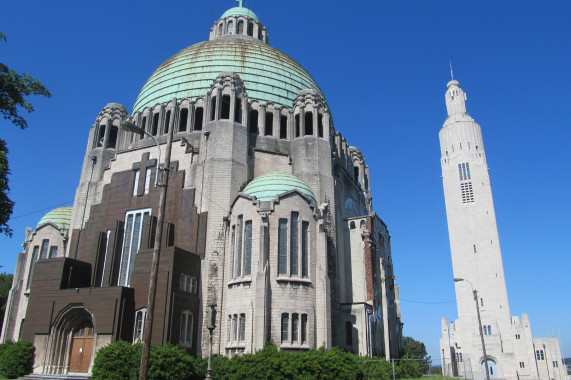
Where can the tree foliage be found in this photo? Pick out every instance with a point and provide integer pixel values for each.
(16, 359)
(5, 285)
(6, 204)
(413, 349)
(14, 90)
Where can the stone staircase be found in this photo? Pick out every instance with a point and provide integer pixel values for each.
(39, 376)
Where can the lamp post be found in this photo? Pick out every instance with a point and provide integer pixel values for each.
(157, 246)
(475, 292)
(210, 325)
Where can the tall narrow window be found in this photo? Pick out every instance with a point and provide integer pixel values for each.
(198, 116)
(303, 328)
(140, 318)
(295, 327)
(230, 27)
(285, 327)
(242, 332)
(220, 29)
(294, 269)
(250, 29)
(296, 125)
(134, 221)
(147, 180)
(213, 108)
(136, 183)
(101, 137)
(304, 249)
(240, 27)
(234, 327)
(225, 107)
(44, 250)
(167, 122)
(186, 326)
(232, 250)
(53, 251)
(239, 247)
(144, 124)
(309, 123)
(269, 124)
(183, 120)
(320, 125)
(283, 127)
(248, 248)
(254, 121)
(282, 246)
(155, 127)
(112, 140)
(238, 110)
(35, 253)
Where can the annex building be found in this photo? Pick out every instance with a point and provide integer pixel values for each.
(480, 285)
(269, 217)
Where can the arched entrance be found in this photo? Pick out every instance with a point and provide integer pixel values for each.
(81, 347)
(71, 341)
(492, 367)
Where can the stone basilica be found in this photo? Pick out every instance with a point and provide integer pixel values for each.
(268, 217)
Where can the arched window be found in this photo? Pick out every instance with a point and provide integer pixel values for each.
(101, 136)
(250, 29)
(186, 327)
(140, 319)
(320, 125)
(167, 122)
(297, 125)
(220, 29)
(183, 120)
(225, 107)
(269, 124)
(213, 108)
(289, 256)
(283, 127)
(254, 121)
(238, 110)
(240, 27)
(112, 140)
(198, 116)
(155, 127)
(230, 27)
(308, 123)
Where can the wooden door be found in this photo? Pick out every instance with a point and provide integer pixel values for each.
(81, 348)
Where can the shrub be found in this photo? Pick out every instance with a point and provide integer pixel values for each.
(170, 362)
(408, 369)
(119, 360)
(16, 359)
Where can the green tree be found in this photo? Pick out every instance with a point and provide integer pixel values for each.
(413, 349)
(5, 285)
(14, 90)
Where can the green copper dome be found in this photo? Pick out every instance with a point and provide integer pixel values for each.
(240, 11)
(268, 74)
(61, 217)
(268, 186)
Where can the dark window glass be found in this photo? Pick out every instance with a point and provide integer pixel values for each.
(183, 120)
(254, 121)
(225, 107)
(282, 246)
(269, 124)
(198, 115)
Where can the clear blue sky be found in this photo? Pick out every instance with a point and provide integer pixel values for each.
(383, 67)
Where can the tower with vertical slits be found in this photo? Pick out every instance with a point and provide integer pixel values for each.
(511, 351)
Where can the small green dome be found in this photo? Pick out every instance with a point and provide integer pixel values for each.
(240, 11)
(268, 74)
(61, 217)
(268, 186)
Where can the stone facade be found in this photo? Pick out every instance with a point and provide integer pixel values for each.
(478, 270)
(309, 266)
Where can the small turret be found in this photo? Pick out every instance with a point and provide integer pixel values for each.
(455, 99)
